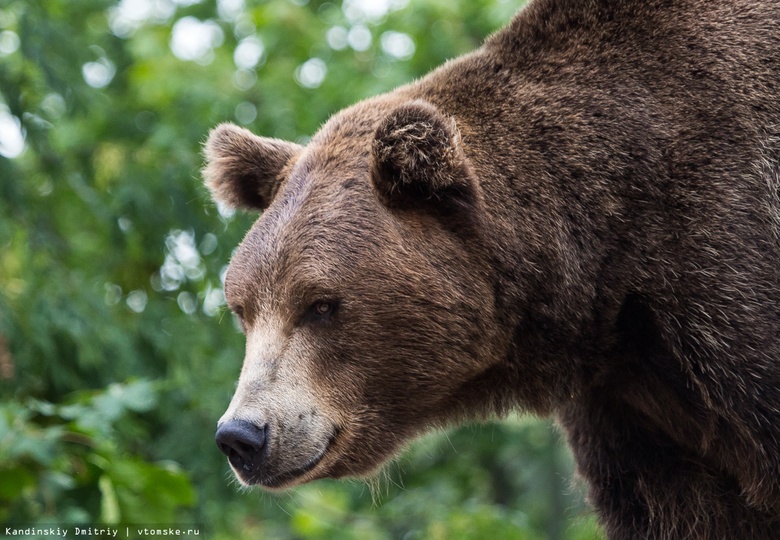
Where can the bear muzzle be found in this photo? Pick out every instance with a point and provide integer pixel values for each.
(248, 449)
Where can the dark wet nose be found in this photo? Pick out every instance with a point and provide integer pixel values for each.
(242, 442)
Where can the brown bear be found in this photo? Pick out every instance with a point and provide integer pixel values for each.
(580, 219)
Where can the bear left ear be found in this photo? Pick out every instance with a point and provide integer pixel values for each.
(243, 170)
(417, 158)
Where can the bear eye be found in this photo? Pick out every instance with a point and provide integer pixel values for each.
(321, 311)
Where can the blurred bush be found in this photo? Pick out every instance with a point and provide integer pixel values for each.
(116, 352)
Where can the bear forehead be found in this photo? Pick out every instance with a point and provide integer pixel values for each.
(322, 222)
(328, 192)
(329, 189)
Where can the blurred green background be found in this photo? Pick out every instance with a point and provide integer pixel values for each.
(117, 354)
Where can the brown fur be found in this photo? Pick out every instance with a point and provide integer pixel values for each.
(580, 219)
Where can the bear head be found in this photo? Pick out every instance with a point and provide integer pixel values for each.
(364, 291)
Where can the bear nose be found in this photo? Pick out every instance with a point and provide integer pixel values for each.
(242, 442)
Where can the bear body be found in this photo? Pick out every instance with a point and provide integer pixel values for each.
(581, 219)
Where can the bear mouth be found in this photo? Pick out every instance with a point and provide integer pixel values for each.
(288, 478)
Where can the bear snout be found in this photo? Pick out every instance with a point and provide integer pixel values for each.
(243, 443)
(275, 455)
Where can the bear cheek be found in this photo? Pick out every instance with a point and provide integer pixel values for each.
(378, 400)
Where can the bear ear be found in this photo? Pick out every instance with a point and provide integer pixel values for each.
(243, 170)
(417, 158)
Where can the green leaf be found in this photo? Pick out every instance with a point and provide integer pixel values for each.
(15, 481)
(137, 396)
(109, 505)
(150, 491)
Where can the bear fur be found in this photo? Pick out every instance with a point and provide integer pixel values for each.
(580, 219)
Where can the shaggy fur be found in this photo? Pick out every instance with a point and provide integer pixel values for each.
(580, 219)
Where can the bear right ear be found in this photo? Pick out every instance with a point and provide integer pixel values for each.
(243, 170)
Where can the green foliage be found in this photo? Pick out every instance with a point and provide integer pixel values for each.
(69, 462)
(116, 353)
